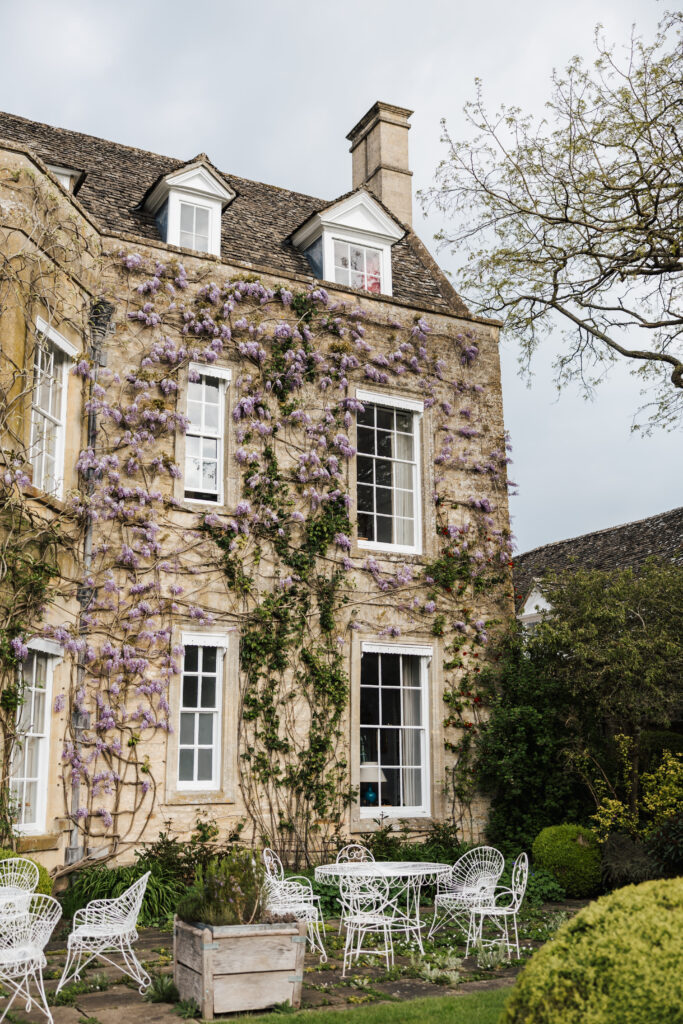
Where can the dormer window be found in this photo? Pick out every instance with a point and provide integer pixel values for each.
(357, 265)
(66, 176)
(350, 243)
(187, 206)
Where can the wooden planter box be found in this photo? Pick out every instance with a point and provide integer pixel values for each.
(230, 968)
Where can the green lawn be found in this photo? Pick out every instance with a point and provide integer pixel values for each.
(475, 1008)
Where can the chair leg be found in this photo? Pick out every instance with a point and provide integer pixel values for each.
(514, 924)
(37, 973)
(16, 990)
(72, 967)
(135, 970)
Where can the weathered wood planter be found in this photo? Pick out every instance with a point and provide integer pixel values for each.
(238, 967)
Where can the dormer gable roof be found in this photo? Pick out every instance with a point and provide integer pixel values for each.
(196, 177)
(359, 211)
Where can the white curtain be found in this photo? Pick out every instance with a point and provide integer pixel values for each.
(411, 698)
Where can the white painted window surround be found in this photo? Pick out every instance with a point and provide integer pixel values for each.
(388, 487)
(200, 724)
(204, 480)
(30, 757)
(357, 229)
(394, 777)
(66, 176)
(188, 205)
(51, 358)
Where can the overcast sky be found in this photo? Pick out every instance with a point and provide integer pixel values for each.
(269, 90)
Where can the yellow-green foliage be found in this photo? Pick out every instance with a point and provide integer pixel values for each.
(617, 962)
(663, 788)
(44, 880)
(572, 855)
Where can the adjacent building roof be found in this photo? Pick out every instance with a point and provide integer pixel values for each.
(618, 547)
(256, 226)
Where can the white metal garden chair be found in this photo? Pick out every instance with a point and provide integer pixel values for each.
(18, 881)
(354, 853)
(107, 926)
(23, 939)
(472, 882)
(501, 912)
(294, 896)
(368, 910)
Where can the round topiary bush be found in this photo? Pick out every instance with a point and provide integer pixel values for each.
(618, 960)
(572, 854)
(44, 880)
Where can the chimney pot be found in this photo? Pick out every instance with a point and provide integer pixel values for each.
(379, 153)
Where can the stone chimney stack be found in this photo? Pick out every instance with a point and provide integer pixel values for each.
(379, 149)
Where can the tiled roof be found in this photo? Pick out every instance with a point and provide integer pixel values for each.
(618, 547)
(256, 224)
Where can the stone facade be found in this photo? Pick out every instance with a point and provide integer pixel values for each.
(144, 571)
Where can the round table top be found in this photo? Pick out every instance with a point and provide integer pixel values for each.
(425, 871)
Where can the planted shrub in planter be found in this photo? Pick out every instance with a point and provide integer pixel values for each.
(571, 853)
(229, 955)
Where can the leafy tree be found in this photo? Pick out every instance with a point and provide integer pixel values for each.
(576, 217)
(569, 701)
(520, 752)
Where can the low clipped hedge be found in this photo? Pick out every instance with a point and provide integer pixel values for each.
(44, 879)
(571, 853)
(617, 962)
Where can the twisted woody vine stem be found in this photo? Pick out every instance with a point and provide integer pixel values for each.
(276, 569)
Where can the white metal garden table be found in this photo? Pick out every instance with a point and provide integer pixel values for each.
(406, 879)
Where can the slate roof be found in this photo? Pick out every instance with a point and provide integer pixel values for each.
(256, 225)
(618, 547)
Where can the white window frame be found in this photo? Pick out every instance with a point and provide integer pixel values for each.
(220, 642)
(364, 246)
(69, 351)
(52, 653)
(417, 408)
(224, 376)
(424, 652)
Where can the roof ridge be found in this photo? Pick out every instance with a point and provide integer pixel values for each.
(595, 533)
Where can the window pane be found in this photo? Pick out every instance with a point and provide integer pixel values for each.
(186, 766)
(383, 473)
(391, 670)
(385, 418)
(191, 659)
(202, 221)
(208, 692)
(365, 440)
(187, 729)
(204, 765)
(368, 746)
(209, 659)
(404, 446)
(384, 443)
(357, 279)
(366, 526)
(403, 476)
(390, 788)
(341, 255)
(383, 496)
(412, 788)
(369, 705)
(369, 670)
(372, 261)
(391, 707)
(405, 532)
(389, 746)
(187, 218)
(367, 417)
(364, 470)
(209, 477)
(190, 692)
(384, 530)
(209, 448)
(404, 421)
(364, 498)
(205, 736)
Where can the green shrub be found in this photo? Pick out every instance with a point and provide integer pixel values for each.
(665, 846)
(227, 890)
(162, 895)
(571, 853)
(625, 861)
(618, 960)
(44, 879)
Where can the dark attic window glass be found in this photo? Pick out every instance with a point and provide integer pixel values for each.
(314, 255)
(162, 221)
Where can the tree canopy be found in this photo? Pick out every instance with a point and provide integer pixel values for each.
(576, 218)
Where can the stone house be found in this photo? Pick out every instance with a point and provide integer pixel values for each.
(258, 439)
